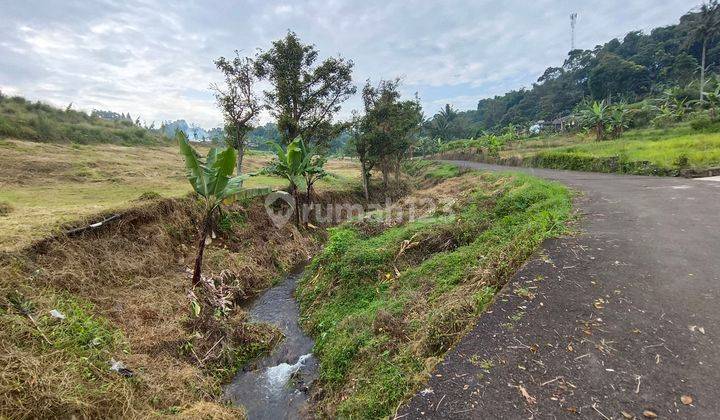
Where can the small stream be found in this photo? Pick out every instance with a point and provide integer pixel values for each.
(276, 386)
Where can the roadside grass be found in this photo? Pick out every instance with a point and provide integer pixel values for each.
(44, 186)
(640, 151)
(384, 306)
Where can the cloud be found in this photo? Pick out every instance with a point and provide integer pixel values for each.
(154, 58)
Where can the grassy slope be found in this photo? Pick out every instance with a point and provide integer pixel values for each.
(663, 148)
(385, 304)
(36, 121)
(46, 185)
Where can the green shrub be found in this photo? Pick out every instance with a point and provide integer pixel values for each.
(701, 121)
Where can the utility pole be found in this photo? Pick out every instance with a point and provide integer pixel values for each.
(573, 21)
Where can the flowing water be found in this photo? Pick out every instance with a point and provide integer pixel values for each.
(276, 386)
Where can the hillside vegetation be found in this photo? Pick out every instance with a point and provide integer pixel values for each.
(37, 121)
(629, 69)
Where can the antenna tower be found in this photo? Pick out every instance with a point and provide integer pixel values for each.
(573, 21)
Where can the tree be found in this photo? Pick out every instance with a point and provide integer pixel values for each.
(705, 27)
(386, 132)
(237, 100)
(211, 179)
(614, 75)
(304, 96)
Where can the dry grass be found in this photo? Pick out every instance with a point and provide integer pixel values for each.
(47, 185)
(130, 279)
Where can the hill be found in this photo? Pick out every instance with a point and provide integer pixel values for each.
(40, 122)
(629, 69)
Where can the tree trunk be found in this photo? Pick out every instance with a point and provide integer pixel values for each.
(702, 72)
(296, 199)
(201, 249)
(366, 180)
(240, 146)
(397, 172)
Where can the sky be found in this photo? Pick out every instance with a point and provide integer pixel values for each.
(154, 59)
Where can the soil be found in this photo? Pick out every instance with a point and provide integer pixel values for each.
(617, 321)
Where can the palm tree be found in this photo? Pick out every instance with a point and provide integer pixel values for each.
(705, 27)
(448, 113)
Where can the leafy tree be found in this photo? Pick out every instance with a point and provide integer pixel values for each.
(387, 129)
(212, 180)
(614, 75)
(237, 100)
(705, 27)
(304, 96)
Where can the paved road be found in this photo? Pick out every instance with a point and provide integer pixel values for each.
(624, 317)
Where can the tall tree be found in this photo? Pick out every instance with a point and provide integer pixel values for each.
(237, 100)
(304, 96)
(387, 129)
(705, 27)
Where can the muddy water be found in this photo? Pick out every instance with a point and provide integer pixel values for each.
(275, 387)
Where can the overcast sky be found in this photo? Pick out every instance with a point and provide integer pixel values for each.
(154, 58)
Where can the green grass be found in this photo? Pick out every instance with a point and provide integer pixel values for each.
(382, 317)
(661, 148)
(36, 121)
(643, 151)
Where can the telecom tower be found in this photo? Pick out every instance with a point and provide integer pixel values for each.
(573, 21)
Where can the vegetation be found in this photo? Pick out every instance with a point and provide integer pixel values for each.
(305, 96)
(211, 179)
(237, 101)
(386, 301)
(384, 135)
(298, 164)
(55, 187)
(693, 147)
(639, 66)
(705, 27)
(36, 121)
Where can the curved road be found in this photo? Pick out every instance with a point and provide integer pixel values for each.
(621, 319)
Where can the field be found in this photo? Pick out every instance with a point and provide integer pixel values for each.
(44, 186)
(643, 151)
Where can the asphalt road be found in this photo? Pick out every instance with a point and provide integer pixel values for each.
(619, 320)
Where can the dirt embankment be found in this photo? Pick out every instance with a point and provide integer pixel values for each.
(123, 290)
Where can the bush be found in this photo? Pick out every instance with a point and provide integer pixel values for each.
(5, 208)
(701, 121)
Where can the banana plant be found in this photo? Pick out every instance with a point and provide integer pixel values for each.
(595, 117)
(300, 166)
(212, 180)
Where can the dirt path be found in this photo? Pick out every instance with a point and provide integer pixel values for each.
(623, 317)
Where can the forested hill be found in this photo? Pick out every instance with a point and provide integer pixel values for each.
(631, 68)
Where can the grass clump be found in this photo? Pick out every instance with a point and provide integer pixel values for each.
(5, 208)
(385, 305)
